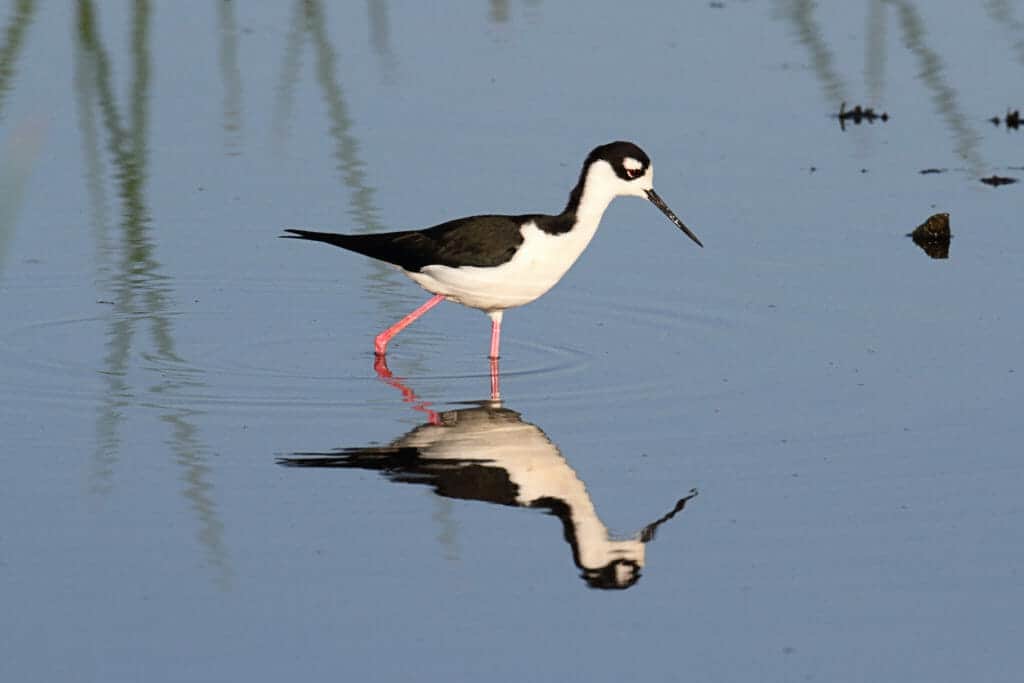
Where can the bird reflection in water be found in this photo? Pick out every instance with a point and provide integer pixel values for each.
(488, 453)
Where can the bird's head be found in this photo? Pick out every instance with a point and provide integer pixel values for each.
(623, 169)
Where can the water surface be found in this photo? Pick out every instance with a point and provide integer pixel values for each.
(845, 406)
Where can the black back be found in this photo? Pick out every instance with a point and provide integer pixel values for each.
(485, 241)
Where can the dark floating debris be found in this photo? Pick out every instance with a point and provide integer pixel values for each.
(935, 228)
(1012, 119)
(858, 114)
(929, 171)
(933, 236)
(997, 180)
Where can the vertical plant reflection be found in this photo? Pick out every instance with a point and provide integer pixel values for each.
(13, 41)
(20, 153)
(380, 37)
(346, 149)
(139, 292)
(944, 95)
(874, 52)
(801, 14)
(231, 74)
(931, 71)
(499, 11)
(290, 68)
(309, 22)
(1002, 16)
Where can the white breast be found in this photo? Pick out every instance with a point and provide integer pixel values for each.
(540, 262)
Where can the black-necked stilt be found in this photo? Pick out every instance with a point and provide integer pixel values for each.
(498, 262)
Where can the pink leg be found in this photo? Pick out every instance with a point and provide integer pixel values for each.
(495, 380)
(380, 342)
(380, 365)
(495, 337)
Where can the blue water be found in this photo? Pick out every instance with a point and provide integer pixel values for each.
(846, 407)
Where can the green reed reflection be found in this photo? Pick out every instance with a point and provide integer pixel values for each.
(932, 72)
(139, 292)
(309, 22)
(346, 150)
(231, 74)
(23, 144)
(1002, 15)
(13, 41)
(380, 38)
(801, 14)
(944, 95)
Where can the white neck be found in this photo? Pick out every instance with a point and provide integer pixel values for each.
(600, 187)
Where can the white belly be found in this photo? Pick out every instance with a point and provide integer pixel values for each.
(540, 262)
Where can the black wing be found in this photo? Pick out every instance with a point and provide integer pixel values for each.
(485, 241)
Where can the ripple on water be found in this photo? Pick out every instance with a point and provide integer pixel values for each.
(47, 360)
(79, 361)
(568, 362)
(208, 362)
(627, 359)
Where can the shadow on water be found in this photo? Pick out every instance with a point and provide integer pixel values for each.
(139, 292)
(488, 453)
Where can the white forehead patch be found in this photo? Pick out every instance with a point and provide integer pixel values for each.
(631, 164)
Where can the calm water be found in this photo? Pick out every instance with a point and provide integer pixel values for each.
(797, 450)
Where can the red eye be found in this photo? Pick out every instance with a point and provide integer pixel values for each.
(632, 173)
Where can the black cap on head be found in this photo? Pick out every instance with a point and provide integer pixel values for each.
(615, 153)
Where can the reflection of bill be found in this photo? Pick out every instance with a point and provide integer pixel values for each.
(488, 453)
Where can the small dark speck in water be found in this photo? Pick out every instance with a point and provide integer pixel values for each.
(859, 114)
(997, 180)
(929, 171)
(1012, 119)
(104, 301)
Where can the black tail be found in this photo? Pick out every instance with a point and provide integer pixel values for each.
(378, 246)
(343, 241)
(410, 250)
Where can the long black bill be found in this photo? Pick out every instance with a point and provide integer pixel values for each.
(660, 203)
